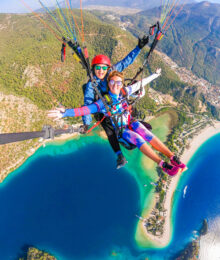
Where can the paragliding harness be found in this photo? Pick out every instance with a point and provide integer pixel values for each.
(119, 118)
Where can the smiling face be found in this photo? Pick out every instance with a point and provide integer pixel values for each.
(100, 70)
(115, 84)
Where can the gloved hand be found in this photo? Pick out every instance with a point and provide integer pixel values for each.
(143, 41)
(83, 129)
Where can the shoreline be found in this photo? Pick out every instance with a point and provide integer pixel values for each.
(197, 141)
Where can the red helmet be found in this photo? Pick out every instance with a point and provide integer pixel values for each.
(101, 59)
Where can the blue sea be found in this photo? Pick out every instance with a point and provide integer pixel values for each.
(69, 200)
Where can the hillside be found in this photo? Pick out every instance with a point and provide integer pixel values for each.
(193, 41)
(18, 114)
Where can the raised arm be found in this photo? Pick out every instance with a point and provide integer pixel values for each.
(135, 87)
(128, 60)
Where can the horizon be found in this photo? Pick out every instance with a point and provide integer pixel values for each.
(16, 6)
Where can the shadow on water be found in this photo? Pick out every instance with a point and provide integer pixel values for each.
(75, 205)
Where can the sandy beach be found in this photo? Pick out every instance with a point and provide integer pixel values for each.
(196, 142)
(199, 139)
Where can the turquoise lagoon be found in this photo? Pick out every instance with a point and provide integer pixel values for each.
(69, 200)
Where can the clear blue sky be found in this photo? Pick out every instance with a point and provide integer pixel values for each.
(13, 6)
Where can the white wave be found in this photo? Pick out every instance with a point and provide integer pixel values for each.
(210, 243)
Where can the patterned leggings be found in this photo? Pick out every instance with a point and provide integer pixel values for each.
(138, 135)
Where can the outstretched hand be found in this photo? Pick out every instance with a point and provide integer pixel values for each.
(158, 71)
(56, 113)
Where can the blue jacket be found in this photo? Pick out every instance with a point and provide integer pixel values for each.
(89, 95)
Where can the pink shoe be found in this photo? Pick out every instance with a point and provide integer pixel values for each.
(176, 162)
(171, 170)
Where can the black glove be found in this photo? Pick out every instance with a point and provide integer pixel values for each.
(143, 41)
(83, 129)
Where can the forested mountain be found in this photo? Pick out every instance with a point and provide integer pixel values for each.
(193, 41)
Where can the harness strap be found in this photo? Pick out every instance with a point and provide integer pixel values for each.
(152, 29)
(129, 122)
(96, 124)
(108, 99)
(124, 92)
(63, 52)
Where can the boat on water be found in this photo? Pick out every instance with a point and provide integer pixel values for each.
(184, 191)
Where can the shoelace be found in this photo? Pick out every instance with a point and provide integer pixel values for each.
(176, 160)
(167, 166)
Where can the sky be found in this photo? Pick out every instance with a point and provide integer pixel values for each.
(14, 6)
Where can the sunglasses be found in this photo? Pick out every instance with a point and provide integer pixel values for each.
(118, 82)
(101, 67)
